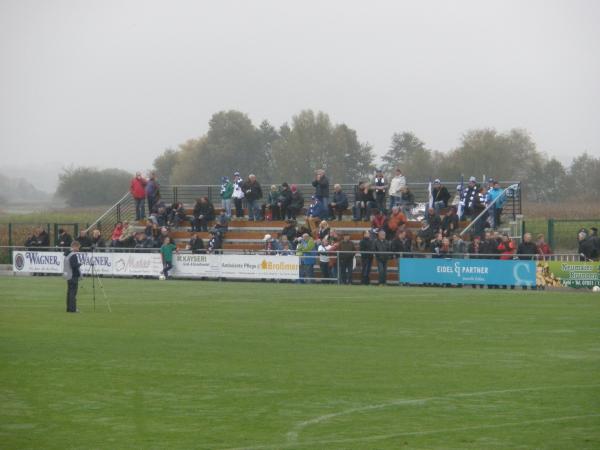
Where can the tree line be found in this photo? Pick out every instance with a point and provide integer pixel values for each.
(293, 151)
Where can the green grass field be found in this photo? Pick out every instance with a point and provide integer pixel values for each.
(210, 365)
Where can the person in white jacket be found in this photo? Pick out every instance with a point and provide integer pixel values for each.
(397, 183)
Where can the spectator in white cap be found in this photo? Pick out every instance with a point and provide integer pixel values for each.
(272, 246)
(440, 195)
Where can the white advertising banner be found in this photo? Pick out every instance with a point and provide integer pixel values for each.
(38, 262)
(196, 266)
(257, 267)
(260, 267)
(130, 264)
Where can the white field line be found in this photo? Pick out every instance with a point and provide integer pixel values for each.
(381, 437)
(292, 435)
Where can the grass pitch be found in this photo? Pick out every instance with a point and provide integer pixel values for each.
(214, 365)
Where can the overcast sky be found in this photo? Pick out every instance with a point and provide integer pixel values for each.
(114, 83)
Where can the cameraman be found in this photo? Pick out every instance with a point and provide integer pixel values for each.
(72, 274)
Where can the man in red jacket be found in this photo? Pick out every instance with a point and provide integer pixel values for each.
(138, 192)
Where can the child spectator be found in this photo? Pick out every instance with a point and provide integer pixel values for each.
(238, 195)
(166, 253)
(226, 195)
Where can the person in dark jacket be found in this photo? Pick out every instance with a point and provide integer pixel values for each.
(383, 248)
(196, 244)
(364, 201)
(450, 222)
(527, 248)
(84, 240)
(470, 195)
(204, 212)
(284, 200)
(296, 203)
(321, 184)
(586, 246)
(253, 193)
(346, 259)
(339, 203)
(434, 220)
(97, 242)
(440, 195)
(63, 239)
(401, 245)
(380, 187)
(366, 247)
(72, 275)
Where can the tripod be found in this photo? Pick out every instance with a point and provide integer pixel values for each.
(95, 277)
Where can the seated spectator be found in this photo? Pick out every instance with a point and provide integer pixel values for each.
(164, 234)
(426, 234)
(215, 244)
(148, 228)
(196, 244)
(204, 212)
(84, 240)
(142, 241)
(338, 204)
(394, 222)
(506, 247)
(527, 248)
(444, 250)
(286, 250)
(291, 232)
(31, 242)
(406, 201)
(378, 221)
(436, 242)
(176, 215)
(156, 236)
(346, 259)
(440, 195)
(296, 202)
(402, 245)
(117, 232)
(272, 246)
(64, 239)
(543, 249)
(475, 249)
(459, 246)
(364, 202)
(366, 247)
(323, 230)
(271, 209)
(97, 242)
(284, 200)
(450, 222)
(316, 211)
(127, 236)
(434, 220)
(222, 223)
(420, 244)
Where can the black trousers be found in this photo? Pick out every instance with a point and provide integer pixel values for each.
(72, 286)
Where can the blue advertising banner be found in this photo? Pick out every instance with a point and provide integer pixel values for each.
(467, 271)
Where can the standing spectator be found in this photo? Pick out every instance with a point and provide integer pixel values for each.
(543, 249)
(586, 246)
(496, 194)
(595, 242)
(63, 239)
(306, 251)
(204, 212)
(196, 244)
(366, 246)
(380, 187)
(459, 246)
(406, 201)
(382, 249)
(285, 198)
(72, 274)
(527, 249)
(152, 191)
(253, 193)
(346, 259)
(478, 208)
(166, 254)
(238, 195)
(138, 192)
(296, 203)
(97, 242)
(339, 203)
(440, 195)
(469, 197)
(226, 195)
(324, 257)
(396, 185)
(321, 184)
(43, 239)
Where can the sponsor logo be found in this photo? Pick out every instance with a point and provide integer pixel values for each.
(19, 261)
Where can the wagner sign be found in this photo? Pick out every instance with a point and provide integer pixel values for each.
(467, 271)
(38, 262)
